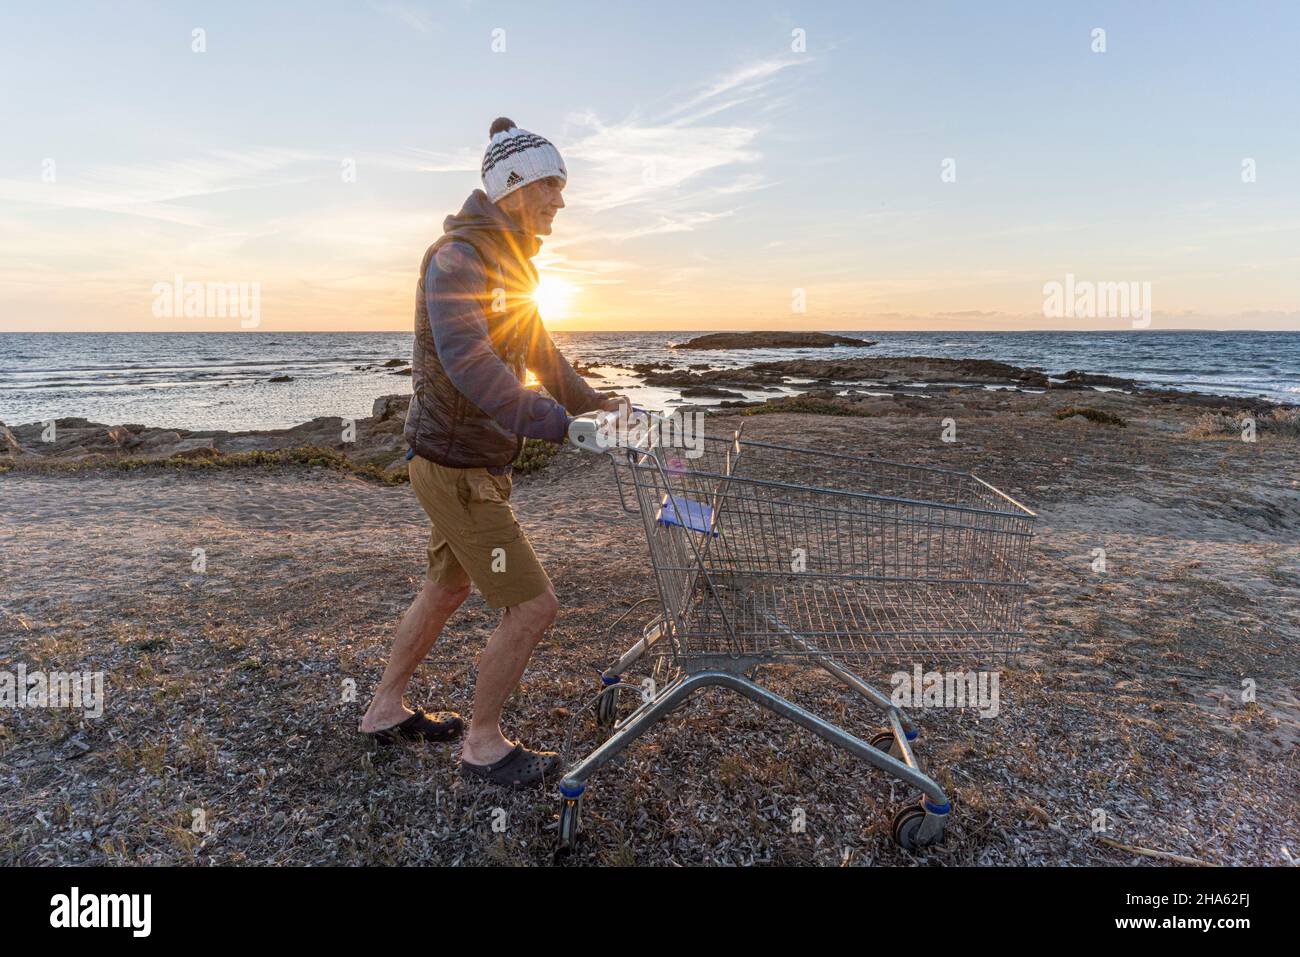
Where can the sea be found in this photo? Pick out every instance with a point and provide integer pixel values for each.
(223, 380)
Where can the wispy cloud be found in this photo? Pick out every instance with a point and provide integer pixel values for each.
(156, 190)
(742, 83)
(407, 13)
(674, 172)
(631, 163)
(640, 162)
(413, 160)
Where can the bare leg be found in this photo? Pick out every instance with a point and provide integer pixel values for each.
(500, 667)
(419, 629)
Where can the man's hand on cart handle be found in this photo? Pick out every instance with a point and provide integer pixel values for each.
(619, 403)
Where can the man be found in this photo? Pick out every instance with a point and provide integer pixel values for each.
(477, 331)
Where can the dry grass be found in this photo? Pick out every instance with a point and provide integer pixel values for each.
(1281, 422)
(227, 691)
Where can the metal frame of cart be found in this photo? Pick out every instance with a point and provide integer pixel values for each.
(765, 553)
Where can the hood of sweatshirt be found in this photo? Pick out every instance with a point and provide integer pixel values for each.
(482, 222)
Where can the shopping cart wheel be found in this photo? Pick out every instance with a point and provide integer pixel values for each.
(907, 825)
(569, 812)
(607, 707)
(882, 741)
(907, 829)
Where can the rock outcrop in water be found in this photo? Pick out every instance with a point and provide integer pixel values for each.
(771, 340)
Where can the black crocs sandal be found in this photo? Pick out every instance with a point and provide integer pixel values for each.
(519, 768)
(422, 726)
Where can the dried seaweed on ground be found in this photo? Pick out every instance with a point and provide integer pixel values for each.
(228, 690)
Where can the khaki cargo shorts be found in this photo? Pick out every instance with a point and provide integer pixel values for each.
(475, 536)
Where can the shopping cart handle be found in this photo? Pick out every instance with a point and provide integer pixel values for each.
(600, 432)
(586, 432)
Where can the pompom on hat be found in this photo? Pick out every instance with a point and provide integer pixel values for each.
(515, 158)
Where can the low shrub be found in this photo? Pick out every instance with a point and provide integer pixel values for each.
(1092, 415)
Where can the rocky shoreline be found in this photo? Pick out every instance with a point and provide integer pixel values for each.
(856, 386)
(374, 441)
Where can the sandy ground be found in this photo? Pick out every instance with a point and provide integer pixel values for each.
(226, 689)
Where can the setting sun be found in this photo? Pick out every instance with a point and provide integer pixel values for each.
(553, 297)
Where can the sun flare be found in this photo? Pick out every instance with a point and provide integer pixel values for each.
(553, 296)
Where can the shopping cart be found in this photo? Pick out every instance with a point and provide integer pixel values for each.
(765, 553)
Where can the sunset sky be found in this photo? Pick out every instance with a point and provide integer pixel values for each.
(713, 169)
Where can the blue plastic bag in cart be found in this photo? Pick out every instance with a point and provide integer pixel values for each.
(685, 513)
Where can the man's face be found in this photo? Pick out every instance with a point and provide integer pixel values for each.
(537, 205)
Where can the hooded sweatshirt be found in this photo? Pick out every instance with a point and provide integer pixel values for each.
(477, 331)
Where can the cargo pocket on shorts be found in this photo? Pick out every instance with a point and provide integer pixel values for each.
(486, 498)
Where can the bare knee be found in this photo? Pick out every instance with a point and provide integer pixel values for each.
(535, 615)
(445, 597)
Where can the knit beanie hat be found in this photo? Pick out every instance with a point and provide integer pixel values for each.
(515, 158)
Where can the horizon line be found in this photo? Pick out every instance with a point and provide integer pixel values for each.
(313, 332)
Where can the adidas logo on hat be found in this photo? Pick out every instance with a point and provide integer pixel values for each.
(515, 158)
